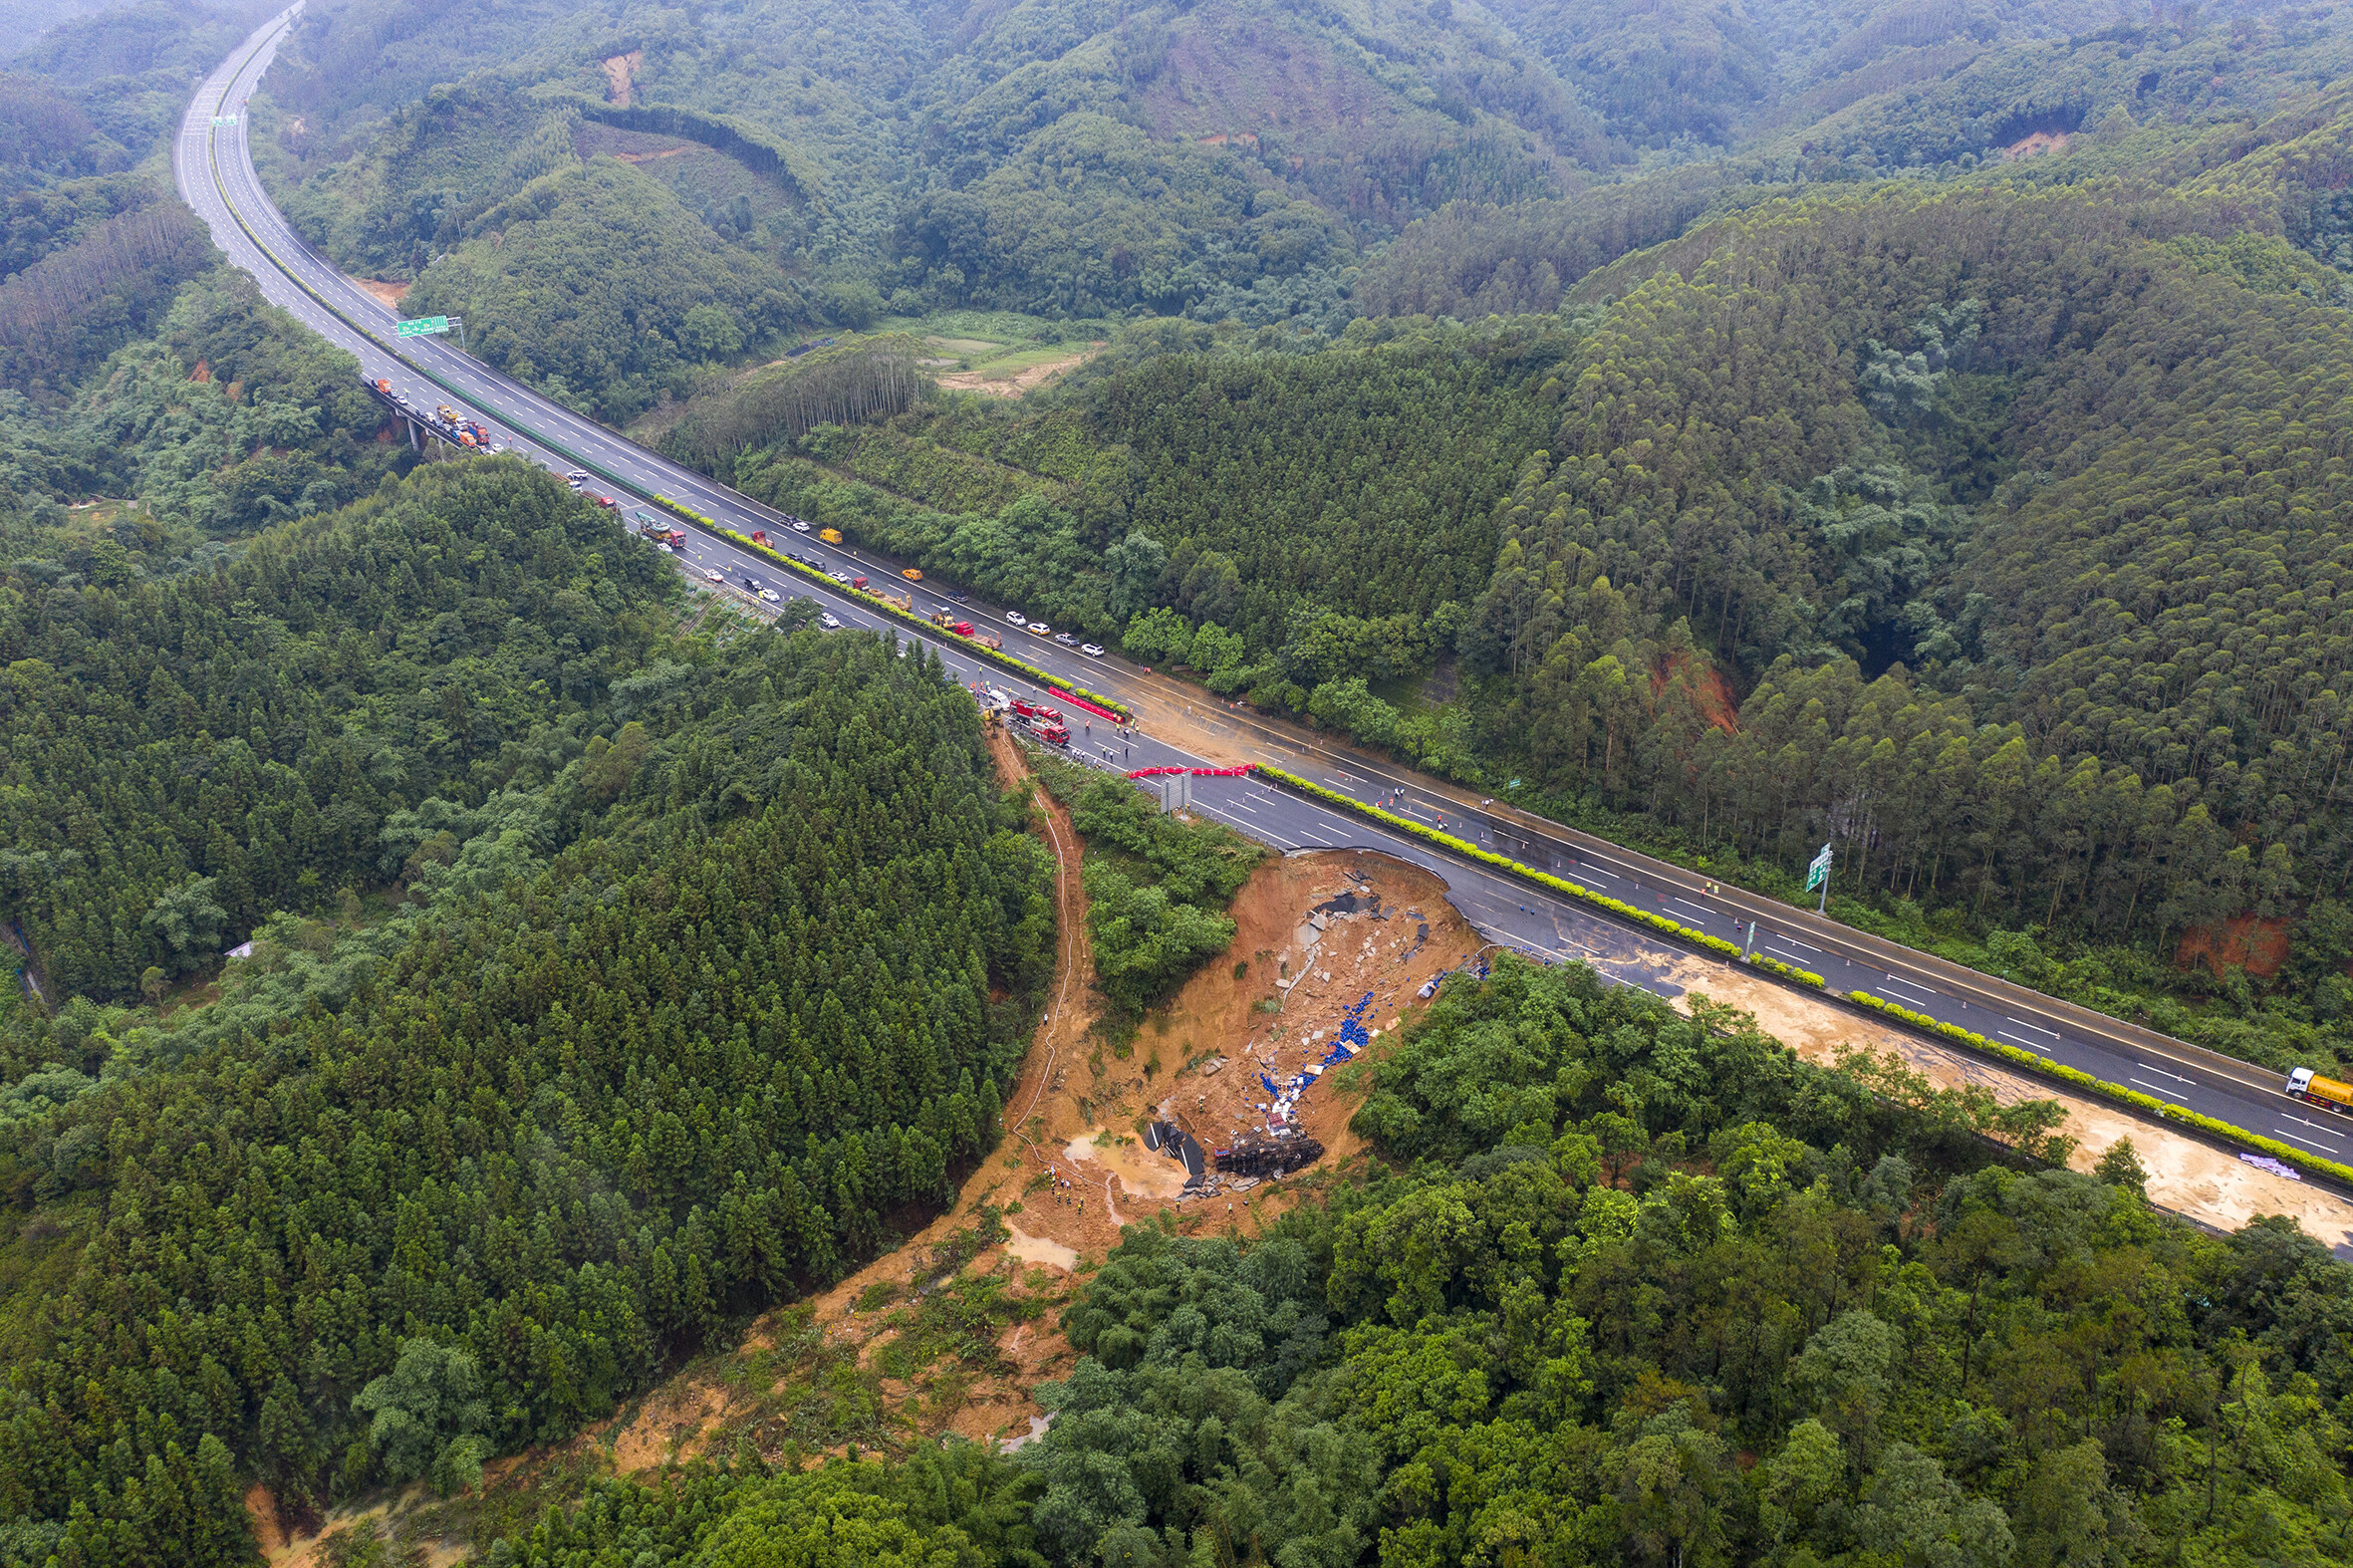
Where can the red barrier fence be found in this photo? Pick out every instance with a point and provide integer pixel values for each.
(1075, 700)
(1199, 773)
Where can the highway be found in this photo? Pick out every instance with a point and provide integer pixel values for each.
(213, 166)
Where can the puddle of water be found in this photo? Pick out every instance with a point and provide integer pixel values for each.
(1040, 1249)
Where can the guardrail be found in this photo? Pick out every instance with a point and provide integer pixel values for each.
(1117, 711)
(2076, 1077)
(1542, 878)
(2042, 1066)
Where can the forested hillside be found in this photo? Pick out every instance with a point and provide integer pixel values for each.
(1240, 160)
(1980, 526)
(727, 957)
(1653, 1292)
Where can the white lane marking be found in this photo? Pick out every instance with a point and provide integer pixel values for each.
(2037, 1028)
(1793, 941)
(2162, 1073)
(1238, 806)
(2031, 1045)
(2306, 1141)
(1785, 953)
(2315, 1126)
(1915, 985)
(1922, 1001)
(2162, 1092)
(1702, 911)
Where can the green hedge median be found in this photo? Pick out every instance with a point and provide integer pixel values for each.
(893, 606)
(1600, 900)
(1788, 971)
(2287, 1154)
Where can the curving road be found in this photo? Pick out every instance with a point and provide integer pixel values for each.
(213, 165)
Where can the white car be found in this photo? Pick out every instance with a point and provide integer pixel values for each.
(800, 527)
(770, 595)
(1014, 618)
(828, 622)
(1091, 649)
(664, 549)
(714, 574)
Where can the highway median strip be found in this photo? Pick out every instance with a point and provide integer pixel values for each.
(1096, 701)
(2076, 1077)
(1463, 846)
(2041, 1065)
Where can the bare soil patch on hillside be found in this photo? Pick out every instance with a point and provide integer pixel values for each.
(391, 294)
(2185, 1174)
(1014, 375)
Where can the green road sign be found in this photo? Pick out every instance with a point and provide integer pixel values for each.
(224, 120)
(422, 327)
(1819, 870)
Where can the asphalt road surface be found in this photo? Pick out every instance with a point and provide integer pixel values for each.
(214, 169)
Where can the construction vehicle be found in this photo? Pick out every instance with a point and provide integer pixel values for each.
(904, 602)
(1269, 1156)
(760, 537)
(959, 627)
(832, 536)
(858, 583)
(2327, 1093)
(910, 574)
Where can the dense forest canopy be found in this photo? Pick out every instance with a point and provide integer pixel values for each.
(1653, 1292)
(724, 959)
(1984, 526)
(1730, 425)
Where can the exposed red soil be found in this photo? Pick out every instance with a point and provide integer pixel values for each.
(2245, 941)
(1710, 689)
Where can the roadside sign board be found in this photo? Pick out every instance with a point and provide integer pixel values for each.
(1819, 870)
(224, 120)
(421, 327)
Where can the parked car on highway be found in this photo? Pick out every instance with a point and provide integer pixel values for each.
(1066, 640)
(842, 578)
(714, 574)
(1039, 629)
(576, 477)
(827, 620)
(772, 595)
(1014, 618)
(1091, 649)
(800, 527)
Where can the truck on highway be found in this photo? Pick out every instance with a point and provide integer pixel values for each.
(760, 536)
(832, 536)
(1043, 728)
(1039, 710)
(2327, 1093)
